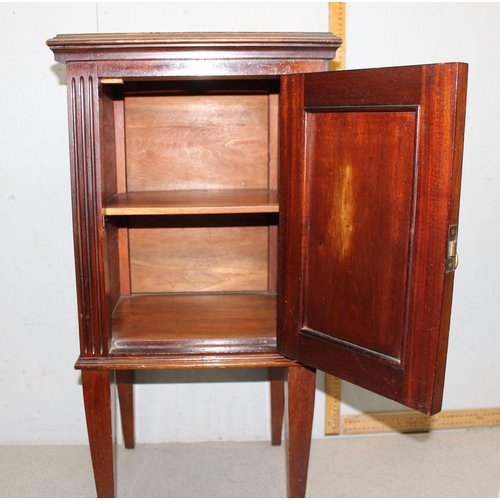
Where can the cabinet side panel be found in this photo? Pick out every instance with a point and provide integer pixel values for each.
(121, 185)
(273, 184)
(110, 143)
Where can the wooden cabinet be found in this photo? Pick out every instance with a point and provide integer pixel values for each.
(235, 205)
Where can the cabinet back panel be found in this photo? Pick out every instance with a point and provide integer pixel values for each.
(197, 142)
(198, 259)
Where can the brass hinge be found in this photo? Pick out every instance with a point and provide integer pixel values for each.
(451, 251)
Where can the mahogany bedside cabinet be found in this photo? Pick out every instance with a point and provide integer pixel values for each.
(235, 205)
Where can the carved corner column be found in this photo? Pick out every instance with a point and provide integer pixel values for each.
(84, 138)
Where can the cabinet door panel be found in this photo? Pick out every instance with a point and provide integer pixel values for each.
(370, 164)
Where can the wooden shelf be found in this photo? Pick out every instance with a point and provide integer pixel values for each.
(223, 201)
(205, 323)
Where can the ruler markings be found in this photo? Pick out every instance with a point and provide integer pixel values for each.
(332, 410)
(397, 421)
(337, 18)
(417, 422)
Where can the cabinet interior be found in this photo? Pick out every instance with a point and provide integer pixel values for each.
(189, 176)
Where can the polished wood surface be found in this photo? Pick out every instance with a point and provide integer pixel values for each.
(125, 385)
(380, 152)
(197, 142)
(277, 378)
(301, 392)
(199, 255)
(99, 411)
(222, 201)
(281, 48)
(87, 193)
(184, 323)
(368, 174)
(146, 146)
(367, 198)
(174, 361)
(211, 154)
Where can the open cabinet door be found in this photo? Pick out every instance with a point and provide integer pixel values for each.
(370, 184)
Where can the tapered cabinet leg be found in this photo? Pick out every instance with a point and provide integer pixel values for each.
(301, 390)
(277, 378)
(98, 410)
(125, 385)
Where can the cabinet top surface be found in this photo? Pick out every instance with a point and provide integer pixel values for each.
(194, 39)
(206, 45)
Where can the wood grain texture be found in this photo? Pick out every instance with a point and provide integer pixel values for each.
(125, 385)
(221, 201)
(281, 48)
(201, 259)
(194, 68)
(99, 414)
(197, 142)
(251, 359)
(87, 193)
(301, 392)
(360, 205)
(113, 267)
(190, 322)
(273, 184)
(134, 138)
(402, 213)
(277, 378)
(441, 133)
(291, 210)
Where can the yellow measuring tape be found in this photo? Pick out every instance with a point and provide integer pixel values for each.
(337, 18)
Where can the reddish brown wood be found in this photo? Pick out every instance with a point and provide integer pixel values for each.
(207, 141)
(361, 189)
(124, 260)
(87, 192)
(259, 359)
(454, 203)
(277, 378)
(301, 392)
(119, 145)
(362, 228)
(291, 211)
(284, 50)
(125, 385)
(372, 173)
(121, 187)
(207, 323)
(98, 410)
(220, 253)
(273, 184)
(130, 131)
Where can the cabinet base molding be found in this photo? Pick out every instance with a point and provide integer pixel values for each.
(374, 423)
(231, 360)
